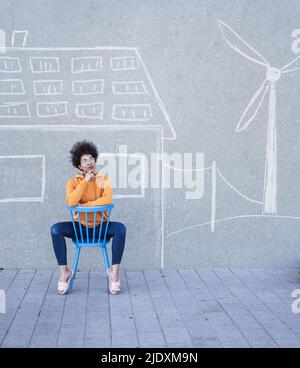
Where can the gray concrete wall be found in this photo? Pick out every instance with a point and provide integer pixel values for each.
(199, 65)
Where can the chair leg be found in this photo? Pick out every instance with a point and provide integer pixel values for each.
(106, 258)
(75, 266)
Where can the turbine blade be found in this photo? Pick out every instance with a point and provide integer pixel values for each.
(286, 71)
(290, 63)
(237, 42)
(254, 104)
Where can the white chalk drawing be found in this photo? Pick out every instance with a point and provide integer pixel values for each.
(228, 219)
(215, 174)
(161, 105)
(132, 112)
(12, 87)
(124, 63)
(48, 87)
(268, 205)
(87, 87)
(90, 110)
(14, 110)
(19, 36)
(86, 64)
(10, 64)
(44, 64)
(40, 198)
(2, 41)
(121, 69)
(2, 301)
(129, 88)
(267, 86)
(67, 127)
(52, 109)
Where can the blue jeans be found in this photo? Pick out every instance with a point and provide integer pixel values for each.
(60, 230)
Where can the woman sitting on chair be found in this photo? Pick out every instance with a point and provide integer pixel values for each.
(89, 188)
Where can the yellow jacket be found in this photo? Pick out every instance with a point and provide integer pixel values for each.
(96, 192)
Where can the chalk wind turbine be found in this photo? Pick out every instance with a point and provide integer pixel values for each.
(268, 85)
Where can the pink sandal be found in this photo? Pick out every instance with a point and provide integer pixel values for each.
(64, 286)
(114, 287)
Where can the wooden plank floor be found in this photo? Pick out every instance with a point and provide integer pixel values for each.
(156, 308)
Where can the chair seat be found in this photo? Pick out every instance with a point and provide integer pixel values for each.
(90, 244)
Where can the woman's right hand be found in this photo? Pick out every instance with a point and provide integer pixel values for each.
(89, 175)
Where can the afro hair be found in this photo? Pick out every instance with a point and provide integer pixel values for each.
(82, 148)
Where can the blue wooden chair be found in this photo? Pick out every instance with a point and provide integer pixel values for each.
(83, 237)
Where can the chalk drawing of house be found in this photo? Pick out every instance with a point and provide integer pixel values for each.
(50, 97)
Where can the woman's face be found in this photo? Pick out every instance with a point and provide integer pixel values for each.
(87, 163)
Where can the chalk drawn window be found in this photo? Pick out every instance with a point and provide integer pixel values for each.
(11, 87)
(14, 110)
(129, 88)
(90, 110)
(51, 109)
(10, 65)
(44, 64)
(48, 87)
(87, 87)
(86, 64)
(124, 63)
(17, 172)
(132, 112)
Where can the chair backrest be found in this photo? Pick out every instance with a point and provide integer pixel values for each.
(83, 236)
